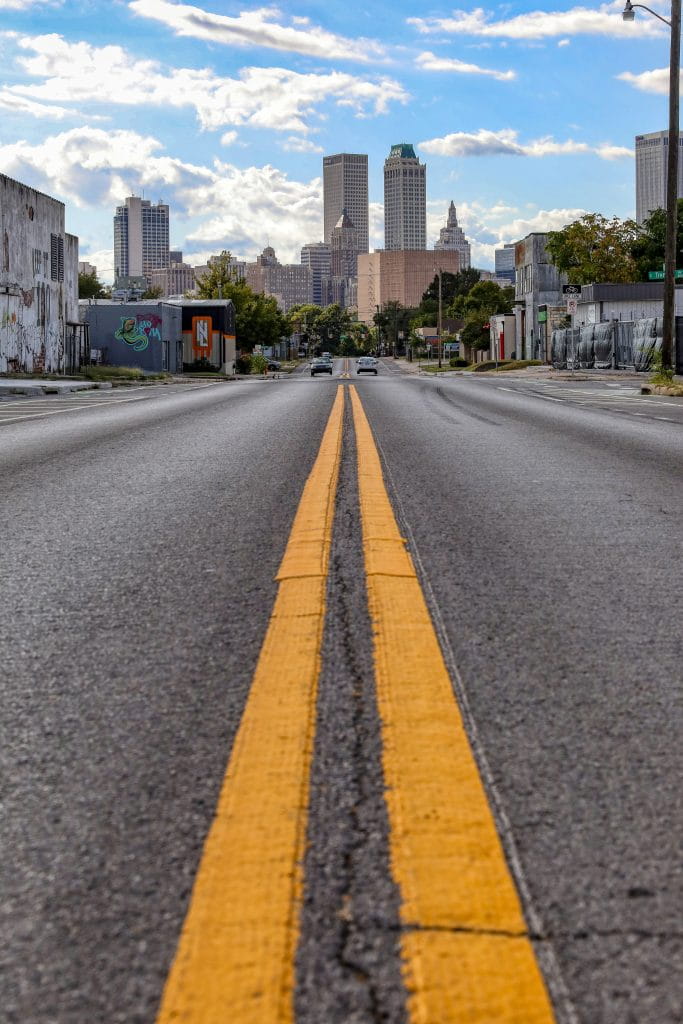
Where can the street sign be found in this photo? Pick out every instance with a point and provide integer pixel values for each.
(571, 289)
(572, 305)
(658, 275)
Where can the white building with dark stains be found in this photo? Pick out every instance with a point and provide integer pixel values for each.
(39, 327)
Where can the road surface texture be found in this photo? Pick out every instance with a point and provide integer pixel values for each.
(147, 536)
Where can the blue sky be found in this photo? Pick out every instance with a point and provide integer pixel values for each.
(524, 114)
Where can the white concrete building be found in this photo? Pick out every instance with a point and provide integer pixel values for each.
(452, 237)
(405, 200)
(39, 325)
(651, 172)
(141, 232)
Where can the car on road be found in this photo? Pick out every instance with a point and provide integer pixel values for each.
(321, 366)
(367, 364)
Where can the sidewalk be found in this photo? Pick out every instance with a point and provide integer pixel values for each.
(536, 373)
(35, 387)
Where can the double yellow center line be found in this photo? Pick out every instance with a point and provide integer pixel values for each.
(465, 947)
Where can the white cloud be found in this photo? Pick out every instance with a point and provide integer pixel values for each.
(228, 138)
(23, 5)
(430, 62)
(605, 20)
(262, 27)
(564, 42)
(92, 167)
(17, 104)
(273, 98)
(228, 207)
(656, 81)
(295, 144)
(506, 143)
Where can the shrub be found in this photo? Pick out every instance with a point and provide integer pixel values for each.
(458, 361)
(259, 363)
(243, 364)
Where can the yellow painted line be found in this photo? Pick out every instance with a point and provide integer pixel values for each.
(235, 957)
(465, 946)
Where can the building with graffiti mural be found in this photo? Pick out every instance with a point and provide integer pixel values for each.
(39, 326)
(159, 336)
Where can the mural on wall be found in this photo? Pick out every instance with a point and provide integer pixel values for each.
(138, 331)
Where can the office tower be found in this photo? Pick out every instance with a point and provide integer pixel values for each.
(290, 284)
(651, 172)
(405, 200)
(140, 238)
(345, 187)
(316, 256)
(452, 238)
(343, 247)
(505, 262)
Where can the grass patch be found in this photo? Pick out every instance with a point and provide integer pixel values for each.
(434, 368)
(504, 364)
(121, 374)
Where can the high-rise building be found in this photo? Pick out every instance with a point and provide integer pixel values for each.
(345, 187)
(316, 256)
(140, 238)
(505, 262)
(452, 238)
(405, 200)
(289, 284)
(651, 172)
(402, 277)
(343, 247)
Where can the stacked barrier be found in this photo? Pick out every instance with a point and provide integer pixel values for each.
(616, 344)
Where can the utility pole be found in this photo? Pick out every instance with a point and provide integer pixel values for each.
(438, 325)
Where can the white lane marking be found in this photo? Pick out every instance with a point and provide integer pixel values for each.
(511, 390)
(548, 398)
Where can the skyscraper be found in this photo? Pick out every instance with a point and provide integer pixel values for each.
(316, 256)
(140, 238)
(651, 172)
(452, 237)
(405, 200)
(345, 187)
(505, 262)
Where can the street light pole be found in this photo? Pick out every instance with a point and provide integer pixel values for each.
(670, 246)
(438, 323)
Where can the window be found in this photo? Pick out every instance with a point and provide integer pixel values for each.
(56, 257)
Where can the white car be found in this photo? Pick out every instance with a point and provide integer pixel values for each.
(367, 364)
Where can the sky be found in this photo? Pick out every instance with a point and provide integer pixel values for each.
(525, 115)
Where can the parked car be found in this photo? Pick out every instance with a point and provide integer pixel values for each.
(321, 365)
(367, 364)
(273, 364)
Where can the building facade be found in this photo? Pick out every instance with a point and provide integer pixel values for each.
(505, 262)
(405, 200)
(402, 276)
(176, 279)
(452, 237)
(538, 283)
(290, 284)
(39, 325)
(316, 256)
(651, 172)
(141, 231)
(345, 187)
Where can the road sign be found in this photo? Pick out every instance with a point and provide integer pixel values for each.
(571, 289)
(658, 275)
(572, 305)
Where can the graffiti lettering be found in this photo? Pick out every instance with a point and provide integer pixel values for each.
(138, 331)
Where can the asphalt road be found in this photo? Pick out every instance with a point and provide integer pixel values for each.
(141, 533)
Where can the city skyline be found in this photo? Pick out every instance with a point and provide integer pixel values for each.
(226, 110)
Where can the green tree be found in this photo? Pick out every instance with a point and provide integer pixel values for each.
(153, 292)
(485, 297)
(258, 321)
(331, 323)
(475, 333)
(648, 248)
(595, 249)
(89, 287)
